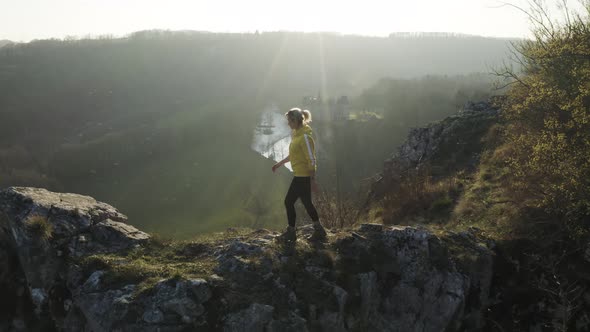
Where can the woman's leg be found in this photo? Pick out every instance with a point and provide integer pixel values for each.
(290, 199)
(306, 199)
(319, 233)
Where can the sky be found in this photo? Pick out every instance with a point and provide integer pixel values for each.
(24, 20)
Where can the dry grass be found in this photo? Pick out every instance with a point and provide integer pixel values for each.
(336, 214)
(419, 196)
(39, 227)
(161, 258)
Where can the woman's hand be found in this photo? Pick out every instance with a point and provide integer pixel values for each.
(280, 163)
(314, 186)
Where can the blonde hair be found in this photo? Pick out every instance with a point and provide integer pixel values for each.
(301, 117)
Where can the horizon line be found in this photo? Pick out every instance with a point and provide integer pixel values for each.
(250, 32)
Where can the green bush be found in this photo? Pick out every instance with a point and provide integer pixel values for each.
(441, 204)
(548, 109)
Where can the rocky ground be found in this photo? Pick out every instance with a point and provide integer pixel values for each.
(70, 263)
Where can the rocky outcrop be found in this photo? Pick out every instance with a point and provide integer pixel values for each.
(440, 148)
(48, 229)
(15, 303)
(378, 279)
(373, 279)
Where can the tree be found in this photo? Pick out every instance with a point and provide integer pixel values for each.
(548, 111)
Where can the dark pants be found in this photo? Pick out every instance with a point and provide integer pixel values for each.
(300, 188)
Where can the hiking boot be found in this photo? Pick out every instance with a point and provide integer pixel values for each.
(289, 235)
(319, 233)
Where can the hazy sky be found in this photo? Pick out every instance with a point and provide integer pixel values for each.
(23, 20)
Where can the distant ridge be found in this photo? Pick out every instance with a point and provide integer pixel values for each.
(4, 42)
(426, 34)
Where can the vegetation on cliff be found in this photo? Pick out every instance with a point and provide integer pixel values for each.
(529, 188)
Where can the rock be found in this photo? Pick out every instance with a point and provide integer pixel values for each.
(152, 316)
(412, 264)
(185, 308)
(48, 228)
(82, 223)
(432, 297)
(70, 212)
(74, 321)
(232, 265)
(177, 296)
(332, 322)
(39, 298)
(12, 281)
(200, 289)
(106, 237)
(177, 304)
(371, 228)
(106, 309)
(19, 324)
(369, 295)
(254, 318)
(341, 296)
(385, 279)
(291, 323)
(240, 248)
(454, 140)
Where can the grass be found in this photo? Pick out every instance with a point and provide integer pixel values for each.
(441, 204)
(39, 227)
(458, 198)
(165, 258)
(429, 195)
(418, 196)
(485, 203)
(159, 259)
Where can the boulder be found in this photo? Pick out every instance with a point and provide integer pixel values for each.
(374, 278)
(47, 229)
(255, 318)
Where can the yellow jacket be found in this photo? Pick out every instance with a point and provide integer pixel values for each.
(302, 152)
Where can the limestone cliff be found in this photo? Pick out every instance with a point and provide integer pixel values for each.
(72, 256)
(441, 148)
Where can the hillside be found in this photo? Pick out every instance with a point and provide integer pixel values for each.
(479, 221)
(160, 123)
(475, 267)
(244, 279)
(423, 180)
(524, 185)
(455, 175)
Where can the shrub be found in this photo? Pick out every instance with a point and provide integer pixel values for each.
(39, 227)
(336, 213)
(418, 194)
(548, 109)
(441, 204)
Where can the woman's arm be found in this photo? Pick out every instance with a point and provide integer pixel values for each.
(310, 154)
(280, 163)
(284, 161)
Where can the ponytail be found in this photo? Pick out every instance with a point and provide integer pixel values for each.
(301, 117)
(306, 116)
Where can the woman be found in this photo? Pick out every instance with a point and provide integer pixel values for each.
(303, 161)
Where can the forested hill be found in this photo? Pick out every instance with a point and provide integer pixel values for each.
(153, 71)
(160, 123)
(4, 42)
(264, 65)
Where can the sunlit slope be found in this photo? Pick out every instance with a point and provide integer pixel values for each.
(186, 174)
